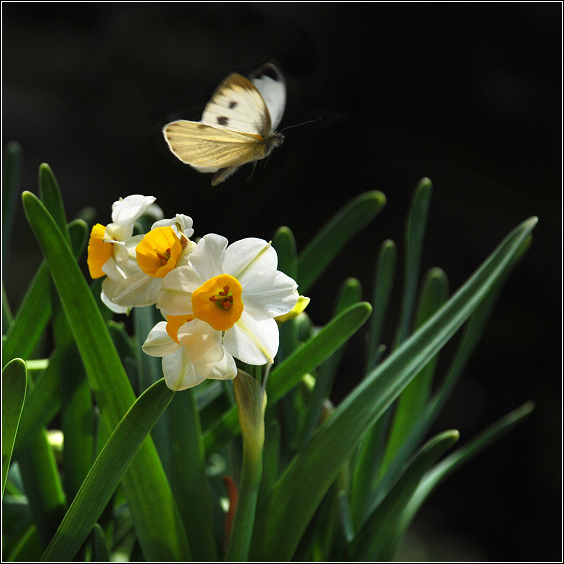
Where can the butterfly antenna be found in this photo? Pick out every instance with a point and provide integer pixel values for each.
(298, 124)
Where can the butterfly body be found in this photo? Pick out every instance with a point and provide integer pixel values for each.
(237, 125)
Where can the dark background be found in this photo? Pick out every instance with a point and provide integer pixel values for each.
(466, 94)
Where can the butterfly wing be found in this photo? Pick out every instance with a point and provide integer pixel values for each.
(272, 87)
(208, 148)
(237, 105)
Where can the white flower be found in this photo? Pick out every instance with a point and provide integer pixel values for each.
(191, 352)
(237, 291)
(165, 247)
(109, 248)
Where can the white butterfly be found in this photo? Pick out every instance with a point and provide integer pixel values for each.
(237, 125)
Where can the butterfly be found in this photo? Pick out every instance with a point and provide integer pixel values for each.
(237, 127)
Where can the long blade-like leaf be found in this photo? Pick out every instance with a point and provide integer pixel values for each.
(13, 397)
(381, 530)
(299, 491)
(338, 231)
(35, 310)
(107, 472)
(157, 521)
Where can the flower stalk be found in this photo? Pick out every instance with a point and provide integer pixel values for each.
(250, 398)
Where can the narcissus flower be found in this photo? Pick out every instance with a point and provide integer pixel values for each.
(237, 291)
(109, 247)
(165, 247)
(191, 351)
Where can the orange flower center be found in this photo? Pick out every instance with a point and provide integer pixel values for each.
(218, 302)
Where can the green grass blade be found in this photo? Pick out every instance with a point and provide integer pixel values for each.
(34, 313)
(301, 488)
(100, 551)
(284, 243)
(349, 294)
(290, 372)
(106, 473)
(7, 315)
(383, 283)
(50, 195)
(42, 486)
(414, 235)
(413, 400)
(42, 403)
(460, 457)
(317, 349)
(13, 397)
(377, 539)
(28, 549)
(145, 484)
(188, 477)
(335, 234)
(471, 335)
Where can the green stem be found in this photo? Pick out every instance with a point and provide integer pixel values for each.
(242, 531)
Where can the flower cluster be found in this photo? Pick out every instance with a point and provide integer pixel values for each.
(220, 301)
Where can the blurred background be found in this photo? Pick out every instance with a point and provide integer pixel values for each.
(466, 94)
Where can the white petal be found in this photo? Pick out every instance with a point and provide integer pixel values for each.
(246, 258)
(251, 340)
(125, 211)
(269, 295)
(139, 290)
(183, 223)
(201, 342)
(179, 372)
(117, 232)
(109, 304)
(176, 295)
(159, 342)
(225, 369)
(113, 271)
(207, 254)
(120, 252)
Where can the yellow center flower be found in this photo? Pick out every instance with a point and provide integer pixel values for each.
(218, 302)
(158, 252)
(174, 323)
(98, 251)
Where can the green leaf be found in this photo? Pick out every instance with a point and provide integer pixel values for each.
(42, 485)
(28, 549)
(472, 333)
(458, 458)
(290, 372)
(335, 234)
(349, 294)
(285, 245)
(187, 474)
(377, 539)
(35, 311)
(413, 399)
(383, 283)
(106, 473)
(100, 551)
(42, 403)
(301, 488)
(414, 236)
(13, 397)
(51, 197)
(314, 351)
(145, 484)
